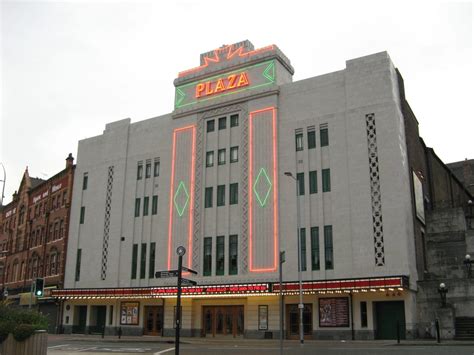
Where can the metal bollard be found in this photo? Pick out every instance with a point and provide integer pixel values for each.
(119, 332)
(398, 332)
(103, 332)
(438, 338)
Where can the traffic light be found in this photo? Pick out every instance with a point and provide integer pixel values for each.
(39, 287)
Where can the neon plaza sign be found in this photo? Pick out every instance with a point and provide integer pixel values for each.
(248, 78)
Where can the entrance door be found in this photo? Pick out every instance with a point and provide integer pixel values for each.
(80, 313)
(223, 321)
(153, 320)
(293, 321)
(387, 314)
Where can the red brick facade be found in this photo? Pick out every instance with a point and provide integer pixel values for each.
(34, 231)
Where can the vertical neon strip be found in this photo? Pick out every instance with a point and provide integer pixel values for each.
(191, 206)
(275, 191)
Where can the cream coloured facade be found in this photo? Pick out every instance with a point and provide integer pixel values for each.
(210, 176)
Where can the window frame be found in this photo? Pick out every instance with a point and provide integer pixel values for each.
(220, 196)
(220, 255)
(221, 156)
(210, 126)
(300, 182)
(234, 150)
(207, 257)
(221, 125)
(324, 137)
(233, 253)
(326, 179)
(208, 196)
(315, 259)
(234, 193)
(328, 248)
(210, 159)
(234, 120)
(313, 182)
(299, 141)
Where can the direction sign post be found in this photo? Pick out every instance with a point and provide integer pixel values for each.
(188, 282)
(190, 270)
(166, 273)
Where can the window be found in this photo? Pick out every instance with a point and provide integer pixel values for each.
(208, 197)
(233, 194)
(145, 205)
(313, 182)
(137, 207)
(143, 261)
(207, 264)
(222, 123)
(83, 215)
(314, 248)
(148, 170)
(134, 260)
(311, 139)
(151, 262)
(221, 157)
(140, 171)
(233, 253)
(328, 251)
(300, 178)
(85, 180)
(234, 120)
(61, 228)
(220, 195)
(156, 168)
(326, 180)
(154, 205)
(220, 255)
(78, 264)
(64, 197)
(210, 126)
(303, 248)
(299, 141)
(234, 154)
(363, 314)
(324, 137)
(210, 159)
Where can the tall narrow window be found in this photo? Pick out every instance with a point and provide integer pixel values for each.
(137, 207)
(154, 205)
(151, 261)
(83, 215)
(208, 197)
(328, 250)
(85, 180)
(324, 137)
(299, 141)
(221, 195)
(156, 168)
(300, 178)
(222, 122)
(134, 260)
(314, 248)
(148, 169)
(363, 314)
(210, 126)
(234, 154)
(313, 182)
(326, 180)
(78, 264)
(311, 139)
(303, 248)
(140, 171)
(143, 261)
(145, 205)
(233, 254)
(207, 264)
(233, 194)
(221, 157)
(234, 120)
(209, 159)
(220, 246)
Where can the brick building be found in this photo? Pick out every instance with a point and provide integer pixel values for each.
(33, 238)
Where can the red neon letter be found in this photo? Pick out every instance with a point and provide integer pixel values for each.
(220, 86)
(199, 89)
(208, 88)
(243, 80)
(232, 82)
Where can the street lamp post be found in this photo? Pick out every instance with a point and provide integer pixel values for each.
(443, 290)
(468, 263)
(2, 196)
(300, 305)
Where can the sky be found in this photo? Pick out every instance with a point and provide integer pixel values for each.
(68, 68)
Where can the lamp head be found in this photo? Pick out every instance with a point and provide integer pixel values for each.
(180, 250)
(442, 286)
(467, 257)
(287, 173)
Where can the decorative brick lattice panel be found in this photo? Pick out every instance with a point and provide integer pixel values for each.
(375, 193)
(197, 195)
(108, 206)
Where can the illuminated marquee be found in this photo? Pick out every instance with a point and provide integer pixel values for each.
(249, 78)
(230, 82)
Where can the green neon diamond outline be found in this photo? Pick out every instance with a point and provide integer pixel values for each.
(266, 73)
(180, 95)
(262, 170)
(181, 211)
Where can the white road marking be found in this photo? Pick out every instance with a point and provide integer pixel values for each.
(57, 346)
(93, 348)
(163, 351)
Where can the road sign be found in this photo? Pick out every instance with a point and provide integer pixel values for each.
(166, 273)
(188, 282)
(189, 270)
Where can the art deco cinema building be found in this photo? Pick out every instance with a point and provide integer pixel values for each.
(210, 176)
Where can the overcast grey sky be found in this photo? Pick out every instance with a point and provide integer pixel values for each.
(68, 68)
